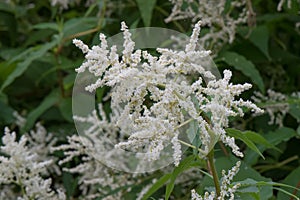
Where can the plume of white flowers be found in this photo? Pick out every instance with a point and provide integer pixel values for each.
(222, 23)
(41, 142)
(94, 175)
(227, 190)
(21, 166)
(137, 77)
(91, 148)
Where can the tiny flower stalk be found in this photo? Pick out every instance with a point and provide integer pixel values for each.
(213, 170)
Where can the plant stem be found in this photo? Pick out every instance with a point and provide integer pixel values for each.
(213, 170)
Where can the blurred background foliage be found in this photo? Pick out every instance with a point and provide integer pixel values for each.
(38, 59)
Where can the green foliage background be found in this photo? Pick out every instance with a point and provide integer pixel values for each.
(37, 62)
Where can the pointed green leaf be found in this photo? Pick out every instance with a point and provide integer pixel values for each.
(47, 25)
(48, 101)
(146, 8)
(241, 136)
(293, 180)
(239, 62)
(23, 65)
(157, 185)
(184, 165)
(260, 38)
(65, 108)
(294, 110)
(258, 139)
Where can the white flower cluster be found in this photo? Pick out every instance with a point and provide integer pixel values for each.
(227, 190)
(91, 147)
(40, 141)
(275, 104)
(22, 166)
(158, 93)
(207, 196)
(222, 23)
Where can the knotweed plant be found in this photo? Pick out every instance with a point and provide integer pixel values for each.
(152, 97)
(24, 167)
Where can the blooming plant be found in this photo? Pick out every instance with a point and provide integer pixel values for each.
(22, 166)
(167, 80)
(151, 113)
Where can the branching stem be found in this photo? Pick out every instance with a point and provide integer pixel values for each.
(213, 170)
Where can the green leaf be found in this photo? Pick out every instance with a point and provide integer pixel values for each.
(248, 186)
(65, 108)
(6, 114)
(6, 69)
(274, 138)
(6, 7)
(293, 180)
(280, 135)
(258, 139)
(22, 66)
(48, 101)
(76, 25)
(239, 62)
(294, 110)
(157, 185)
(47, 25)
(146, 8)
(70, 183)
(242, 136)
(184, 165)
(260, 38)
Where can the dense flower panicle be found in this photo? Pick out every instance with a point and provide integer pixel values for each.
(94, 175)
(226, 189)
(93, 148)
(41, 142)
(222, 26)
(137, 77)
(22, 166)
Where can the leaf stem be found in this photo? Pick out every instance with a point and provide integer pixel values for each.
(213, 170)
